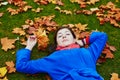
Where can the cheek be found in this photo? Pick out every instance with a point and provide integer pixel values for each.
(59, 41)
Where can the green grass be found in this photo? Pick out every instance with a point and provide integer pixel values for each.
(9, 22)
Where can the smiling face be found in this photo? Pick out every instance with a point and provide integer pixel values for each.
(64, 37)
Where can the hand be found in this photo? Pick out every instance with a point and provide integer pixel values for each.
(79, 42)
(31, 42)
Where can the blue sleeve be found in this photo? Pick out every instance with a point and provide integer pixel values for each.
(97, 43)
(25, 65)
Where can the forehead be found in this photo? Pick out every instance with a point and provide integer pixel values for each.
(64, 30)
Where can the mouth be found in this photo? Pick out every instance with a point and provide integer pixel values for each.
(64, 40)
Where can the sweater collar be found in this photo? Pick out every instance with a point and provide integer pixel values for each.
(74, 45)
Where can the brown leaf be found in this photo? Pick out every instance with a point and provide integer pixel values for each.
(19, 31)
(101, 59)
(108, 53)
(42, 38)
(10, 66)
(115, 76)
(7, 43)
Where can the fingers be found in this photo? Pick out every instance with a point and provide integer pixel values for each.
(32, 38)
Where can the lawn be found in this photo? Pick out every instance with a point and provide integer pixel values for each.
(8, 22)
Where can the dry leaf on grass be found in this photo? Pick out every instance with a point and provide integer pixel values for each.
(42, 38)
(3, 71)
(115, 76)
(81, 27)
(5, 78)
(7, 43)
(10, 66)
(19, 31)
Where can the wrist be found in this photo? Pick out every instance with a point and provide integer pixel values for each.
(28, 47)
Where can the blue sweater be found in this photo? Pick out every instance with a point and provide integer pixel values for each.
(70, 64)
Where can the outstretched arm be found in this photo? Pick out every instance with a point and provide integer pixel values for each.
(23, 62)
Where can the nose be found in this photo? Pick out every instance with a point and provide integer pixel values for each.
(64, 36)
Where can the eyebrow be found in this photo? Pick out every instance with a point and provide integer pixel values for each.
(61, 33)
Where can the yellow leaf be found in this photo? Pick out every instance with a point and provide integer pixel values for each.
(81, 27)
(5, 78)
(3, 71)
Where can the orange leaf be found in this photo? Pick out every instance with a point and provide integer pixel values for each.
(42, 38)
(108, 53)
(10, 66)
(115, 76)
(7, 43)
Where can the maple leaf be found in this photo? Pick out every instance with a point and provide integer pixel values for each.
(42, 38)
(115, 76)
(108, 53)
(10, 66)
(81, 27)
(7, 43)
(12, 11)
(19, 31)
(3, 71)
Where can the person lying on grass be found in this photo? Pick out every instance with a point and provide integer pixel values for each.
(69, 61)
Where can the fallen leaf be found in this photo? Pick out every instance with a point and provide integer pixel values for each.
(42, 39)
(101, 59)
(5, 78)
(10, 66)
(19, 31)
(115, 76)
(3, 71)
(108, 53)
(7, 43)
(81, 27)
